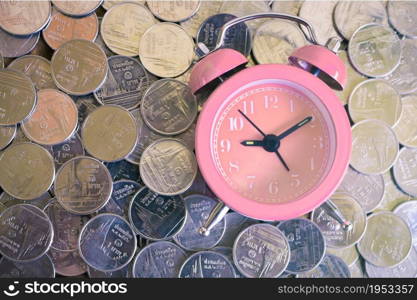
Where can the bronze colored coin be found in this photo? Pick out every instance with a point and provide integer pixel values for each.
(107, 4)
(15, 46)
(54, 120)
(166, 50)
(76, 8)
(24, 17)
(18, 97)
(79, 67)
(110, 133)
(7, 134)
(63, 28)
(173, 11)
(123, 26)
(36, 68)
(27, 171)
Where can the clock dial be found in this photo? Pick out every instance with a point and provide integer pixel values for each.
(274, 106)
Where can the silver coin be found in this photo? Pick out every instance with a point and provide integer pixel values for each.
(401, 15)
(207, 264)
(123, 169)
(123, 192)
(357, 270)
(228, 252)
(85, 105)
(66, 226)
(26, 233)
(156, 217)
(406, 128)
(404, 77)
(393, 196)
(159, 260)
(375, 50)
(330, 267)
(169, 107)
(368, 190)
(67, 150)
(168, 167)
(307, 244)
(408, 212)
(7, 134)
(235, 223)
(387, 241)
(405, 171)
(15, 46)
(198, 210)
(67, 263)
(336, 236)
(406, 269)
(261, 250)
(199, 186)
(83, 185)
(6, 200)
(39, 268)
(126, 82)
(107, 243)
(375, 99)
(125, 272)
(350, 255)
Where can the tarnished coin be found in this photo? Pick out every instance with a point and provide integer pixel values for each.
(7, 134)
(330, 267)
(374, 147)
(54, 119)
(173, 11)
(237, 37)
(408, 212)
(123, 26)
(198, 210)
(39, 268)
(336, 236)
(109, 133)
(159, 260)
(126, 82)
(15, 46)
(166, 50)
(67, 263)
(123, 169)
(156, 217)
(401, 15)
(374, 50)
(287, 7)
(393, 196)
(320, 15)
(387, 241)
(37, 68)
(83, 185)
(276, 40)
(169, 107)
(85, 105)
(24, 17)
(375, 99)
(25, 233)
(168, 167)
(79, 67)
(207, 9)
(350, 15)
(125, 272)
(350, 255)
(67, 150)
(406, 269)
(107, 4)
(207, 264)
(368, 190)
(404, 77)
(261, 250)
(62, 29)
(107, 243)
(121, 197)
(76, 8)
(67, 226)
(27, 171)
(18, 97)
(235, 223)
(405, 171)
(306, 242)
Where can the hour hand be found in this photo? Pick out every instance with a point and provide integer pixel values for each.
(255, 143)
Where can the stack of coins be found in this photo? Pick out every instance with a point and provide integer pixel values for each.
(98, 174)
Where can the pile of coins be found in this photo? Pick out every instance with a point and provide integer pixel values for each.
(97, 168)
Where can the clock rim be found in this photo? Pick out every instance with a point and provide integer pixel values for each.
(273, 211)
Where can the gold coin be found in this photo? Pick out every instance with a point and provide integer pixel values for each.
(166, 50)
(79, 67)
(406, 128)
(123, 26)
(18, 97)
(27, 171)
(207, 9)
(107, 4)
(7, 134)
(287, 7)
(173, 11)
(109, 133)
(54, 120)
(76, 8)
(24, 17)
(36, 68)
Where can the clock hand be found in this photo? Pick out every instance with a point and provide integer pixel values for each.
(294, 128)
(282, 161)
(253, 143)
(253, 124)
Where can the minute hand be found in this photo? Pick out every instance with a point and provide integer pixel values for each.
(294, 128)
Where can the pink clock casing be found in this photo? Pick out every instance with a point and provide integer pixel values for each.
(273, 211)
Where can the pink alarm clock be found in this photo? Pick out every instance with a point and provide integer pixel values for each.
(273, 141)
